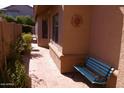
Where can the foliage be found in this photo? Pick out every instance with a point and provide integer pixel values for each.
(27, 38)
(20, 19)
(27, 20)
(18, 77)
(2, 13)
(15, 72)
(26, 43)
(26, 28)
(9, 18)
(3, 80)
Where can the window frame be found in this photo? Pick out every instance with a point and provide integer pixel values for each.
(45, 29)
(55, 28)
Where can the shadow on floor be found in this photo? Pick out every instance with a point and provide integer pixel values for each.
(35, 50)
(26, 60)
(35, 55)
(77, 77)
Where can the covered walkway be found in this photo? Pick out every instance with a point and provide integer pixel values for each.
(44, 73)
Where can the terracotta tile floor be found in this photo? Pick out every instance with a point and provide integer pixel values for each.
(44, 73)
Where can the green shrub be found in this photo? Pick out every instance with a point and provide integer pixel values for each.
(27, 20)
(20, 19)
(19, 76)
(15, 71)
(26, 29)
(9, 18)
(27, 37)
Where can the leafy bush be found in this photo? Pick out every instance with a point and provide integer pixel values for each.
(19, 76)
(15, 71)
(27, 23)
(20, 19)
(26, 29)
(27, 20)
(24, 44)
(9, 18)
(27, 37)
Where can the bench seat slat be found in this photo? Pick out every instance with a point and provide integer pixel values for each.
(105, 65)
(85, 72)
(88, 74)
(97, 64)
(96, 69)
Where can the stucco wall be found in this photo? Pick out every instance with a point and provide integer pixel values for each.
(105, 36)
(53, 11)
(68, 50)
(120, 78)
(72, 51)
(75, 39)
(38, 29)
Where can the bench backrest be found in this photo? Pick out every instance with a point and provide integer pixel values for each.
(99, 67)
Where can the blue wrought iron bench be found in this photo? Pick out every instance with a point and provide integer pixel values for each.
(95, 71)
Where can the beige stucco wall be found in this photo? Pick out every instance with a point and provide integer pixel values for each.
(72, 51)
(38, 29)
(105, 36)
(76, 39)
(69, 51)
(60, 11)
(56, 48)
(120, 78)
(99, 35)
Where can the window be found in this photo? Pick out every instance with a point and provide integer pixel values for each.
(44, 29)
(55, 25)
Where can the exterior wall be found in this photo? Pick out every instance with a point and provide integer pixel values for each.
(120, 78)
(56, 48)
(105, 36)
(72, 35)
(41, 42)
(74, 51)
(55, 58)
(99, 35)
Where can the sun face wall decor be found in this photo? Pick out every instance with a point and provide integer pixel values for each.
(76, 20)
